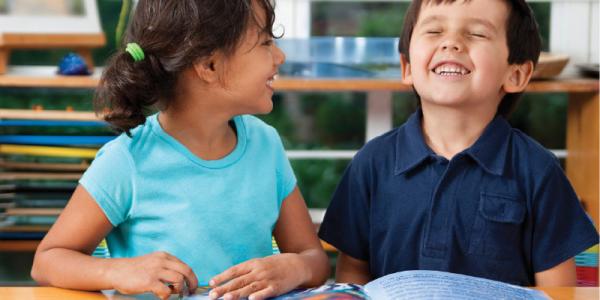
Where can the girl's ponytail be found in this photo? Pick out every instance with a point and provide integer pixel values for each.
(129, 88)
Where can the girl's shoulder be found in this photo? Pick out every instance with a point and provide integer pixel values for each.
(254, 126)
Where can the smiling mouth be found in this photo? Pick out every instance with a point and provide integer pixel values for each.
(450, 69)
(271, 80)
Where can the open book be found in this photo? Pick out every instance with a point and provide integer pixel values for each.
(414, 285)
(417, 285)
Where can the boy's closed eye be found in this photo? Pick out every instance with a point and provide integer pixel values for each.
(433, 32)
(477, 35)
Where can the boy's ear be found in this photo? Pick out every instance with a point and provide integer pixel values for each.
(405, 69)
(518, 77)
(206, 69)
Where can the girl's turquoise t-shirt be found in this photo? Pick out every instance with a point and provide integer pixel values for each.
(211, 214)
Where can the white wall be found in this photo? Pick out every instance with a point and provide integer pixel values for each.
(574, 31)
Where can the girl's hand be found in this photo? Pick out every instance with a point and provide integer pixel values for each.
(159, 273)
(260, 278)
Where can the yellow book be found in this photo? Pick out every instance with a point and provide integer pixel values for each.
(48, 151)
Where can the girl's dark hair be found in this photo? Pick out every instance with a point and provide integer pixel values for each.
(173, 34)
(522, 37)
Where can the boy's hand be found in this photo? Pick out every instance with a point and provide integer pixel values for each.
(159, 273)
(260, 278)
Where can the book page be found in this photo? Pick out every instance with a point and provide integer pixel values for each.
(417, 285)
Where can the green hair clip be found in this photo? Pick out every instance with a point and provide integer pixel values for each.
(135, 51)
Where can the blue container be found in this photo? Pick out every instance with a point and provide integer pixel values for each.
(340, 57)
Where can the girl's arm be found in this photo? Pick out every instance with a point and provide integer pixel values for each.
(63, 258)
(302, 262)
(352, 270)
(296, 233)
(561, 275)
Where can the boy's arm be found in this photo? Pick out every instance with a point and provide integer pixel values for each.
(560, 275)
(352, 270)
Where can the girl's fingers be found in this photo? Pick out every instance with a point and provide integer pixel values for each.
(265, 293)
(183, 269)
(232, 285)
(244, 291)
(231, 273)
(174, 280)
(160, 290)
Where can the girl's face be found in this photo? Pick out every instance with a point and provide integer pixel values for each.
(249, 72)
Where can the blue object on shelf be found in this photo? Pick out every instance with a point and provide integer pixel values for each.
(72, 64)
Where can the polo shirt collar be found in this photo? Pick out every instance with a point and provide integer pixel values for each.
(489, 151)
(411, 149)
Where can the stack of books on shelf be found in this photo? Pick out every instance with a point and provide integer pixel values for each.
(587, 267)
(42, 156)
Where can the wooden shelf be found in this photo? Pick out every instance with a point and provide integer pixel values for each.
(19, 245)
(80, 43)
(45, 76)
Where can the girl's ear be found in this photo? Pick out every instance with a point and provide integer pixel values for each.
(206, 68)
(518, 77)
(405, 69)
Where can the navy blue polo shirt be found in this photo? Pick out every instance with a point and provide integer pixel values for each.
(502, 209)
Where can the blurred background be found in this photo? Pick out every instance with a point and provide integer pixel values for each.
(305, 120)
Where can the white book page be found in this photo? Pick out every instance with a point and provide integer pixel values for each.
(426, 285)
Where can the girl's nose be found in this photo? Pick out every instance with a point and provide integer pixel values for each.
(279, 55)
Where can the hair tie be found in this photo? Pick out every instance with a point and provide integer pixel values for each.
(135, 51)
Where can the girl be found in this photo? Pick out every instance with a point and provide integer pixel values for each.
(191, 195)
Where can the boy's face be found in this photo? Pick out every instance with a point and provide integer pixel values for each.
(459, 55)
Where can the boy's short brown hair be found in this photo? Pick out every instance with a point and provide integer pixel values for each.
(522, 37)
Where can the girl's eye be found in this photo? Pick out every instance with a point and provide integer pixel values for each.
(477, 35)
(268, 43)
(433, 32)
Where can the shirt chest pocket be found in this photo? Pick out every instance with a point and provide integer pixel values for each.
(496, 231)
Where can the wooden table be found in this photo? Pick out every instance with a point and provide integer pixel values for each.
(49, 293)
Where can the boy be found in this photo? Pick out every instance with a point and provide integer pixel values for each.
(456, 188)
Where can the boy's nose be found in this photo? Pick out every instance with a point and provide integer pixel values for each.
(452, 45)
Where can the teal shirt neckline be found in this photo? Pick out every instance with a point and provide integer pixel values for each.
(224, 162)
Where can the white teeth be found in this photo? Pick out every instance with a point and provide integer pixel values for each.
(450, 69)
(270, 82)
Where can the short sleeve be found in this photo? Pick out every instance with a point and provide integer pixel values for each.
(562, 229)
(109, 180)
(286, 180)
(346, 221)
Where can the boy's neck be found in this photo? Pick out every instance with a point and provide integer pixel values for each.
(449, 131)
